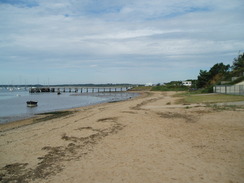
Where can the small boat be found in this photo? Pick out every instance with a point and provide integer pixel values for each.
(31, 103)
(59, 93)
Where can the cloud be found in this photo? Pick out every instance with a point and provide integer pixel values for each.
(130, 36)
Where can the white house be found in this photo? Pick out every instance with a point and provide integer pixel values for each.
(148, 84)
(186, 83)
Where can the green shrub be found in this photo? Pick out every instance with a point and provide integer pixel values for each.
(169, 88)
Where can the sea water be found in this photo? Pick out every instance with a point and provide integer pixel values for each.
(13, 103)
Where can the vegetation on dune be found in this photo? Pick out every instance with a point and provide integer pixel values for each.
(238, 64)
(211, 100)
(171, 86)
(189, 98)
(215, 74)
(221, 72)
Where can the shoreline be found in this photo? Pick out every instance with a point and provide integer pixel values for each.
(149, 138)
(27, 119)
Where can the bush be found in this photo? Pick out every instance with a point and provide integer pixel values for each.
(209, 89)
(169, 88)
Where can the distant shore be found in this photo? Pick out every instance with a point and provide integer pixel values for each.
(150, 138)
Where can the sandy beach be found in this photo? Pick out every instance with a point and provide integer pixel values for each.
(150, 138)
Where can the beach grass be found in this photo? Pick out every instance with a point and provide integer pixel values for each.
(169, 88)
(225, 107)
(188, 98)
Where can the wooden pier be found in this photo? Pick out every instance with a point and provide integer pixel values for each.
(78, 89)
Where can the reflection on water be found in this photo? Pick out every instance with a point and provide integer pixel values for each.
(13, 104)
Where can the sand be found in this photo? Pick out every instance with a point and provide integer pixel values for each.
(147, 139)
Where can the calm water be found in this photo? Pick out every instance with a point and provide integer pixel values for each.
(13, 103)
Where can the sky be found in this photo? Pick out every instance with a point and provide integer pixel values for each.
(116, 41)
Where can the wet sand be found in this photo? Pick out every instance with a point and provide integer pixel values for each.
(147, 139)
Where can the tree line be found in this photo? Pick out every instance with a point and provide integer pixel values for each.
(221, 72)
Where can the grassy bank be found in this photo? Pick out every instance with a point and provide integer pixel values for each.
(160, 88)
(188, 98)
(169, 88)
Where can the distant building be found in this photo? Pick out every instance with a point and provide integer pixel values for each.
(186, 83)
(148, 84)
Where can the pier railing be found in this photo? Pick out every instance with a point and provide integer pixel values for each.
(78, 89)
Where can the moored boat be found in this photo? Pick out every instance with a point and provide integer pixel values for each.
(31, 103)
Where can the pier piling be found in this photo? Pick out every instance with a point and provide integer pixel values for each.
(75, 89)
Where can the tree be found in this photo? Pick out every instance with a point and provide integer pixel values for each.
(215, 73)
(220, 71)
(219, 68)
(203, 79)
(238, 64)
